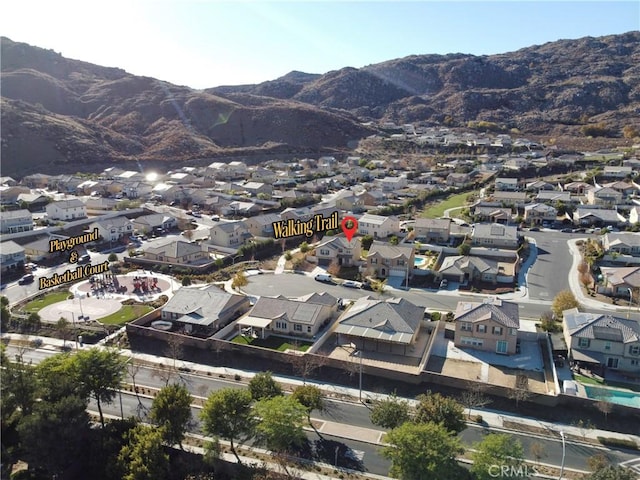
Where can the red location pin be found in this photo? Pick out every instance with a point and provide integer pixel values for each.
(349, 227)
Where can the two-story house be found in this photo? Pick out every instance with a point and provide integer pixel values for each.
(495, 235)
(538, 213)
(262, 225)
(622, 243)
(12, 257)
(604, 196)
(378, 226)
(177, 252)
(602, 341)
(14, 221)
(505, 184)
(155, 222)
(339, 250)
(433, 230)
(113, 229)
(229, 234)
(386, 260)
(66, 210)
(491, 326)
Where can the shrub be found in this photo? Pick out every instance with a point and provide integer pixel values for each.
(478, 419)
(237, 377)
(618, 442)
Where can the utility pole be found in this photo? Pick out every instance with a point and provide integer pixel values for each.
(563, 455)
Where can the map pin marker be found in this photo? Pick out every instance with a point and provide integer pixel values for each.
(349, 227)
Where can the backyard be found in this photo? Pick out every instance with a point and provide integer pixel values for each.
(437, 209)
(274, 343)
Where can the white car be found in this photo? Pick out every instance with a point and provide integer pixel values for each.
(351, 284)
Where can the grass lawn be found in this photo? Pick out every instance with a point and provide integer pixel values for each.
(126, 314)
(436, 210)
(273, 342)
(587, 380)
(48, 299)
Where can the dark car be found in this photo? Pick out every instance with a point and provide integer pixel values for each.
(27, 279)
(567, 230)
(534, 229)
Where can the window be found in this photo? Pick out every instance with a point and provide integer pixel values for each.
(465, 327)
(374, 261)
(281, 325)
(607, 345)
(612, 362)
(502, 346)
(634, 349)
(481, 328)
(513, 332)
(324, 252)
(309, 329)
(497, 330)
(297, 327)
(473, 342)
(584, 342)
(400, 263)
(634, 362)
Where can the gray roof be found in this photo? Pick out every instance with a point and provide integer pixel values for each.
(10, 247)
(505, 313)
(230, 227)
(12, 214)
(201, 306)
(458, 263)
(436, 223)
(601, 327)
(386, 250)
(74, 202)
(630, 239)
(495, 230)
(175, 249)
(606, 215)
(114, 222)
(320, 298)
(154, 219)
(280, 308)
(394, 320)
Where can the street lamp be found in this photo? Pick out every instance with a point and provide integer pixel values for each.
(79, 295)
(337, 450)
(359, 353)
(563, 455)
(630, 302)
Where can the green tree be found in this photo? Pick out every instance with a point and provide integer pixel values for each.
(564, 300)
(143, 456)
(310, 397)
(366, 241)
(227, 414)
(186, 281)
(54, 435)
(262, 385)
(239, 280)
(171, 410)
(280, 423)
(390, 412)
(100, 373)
(64, 330)
(496, 449)
(112, 257)
(304, 247)
(612, 472)
(464, 248)
(422, 451)
(394, 240)
(4, 312)
(58, 379)
(436, 408)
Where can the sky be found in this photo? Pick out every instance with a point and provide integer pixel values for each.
(207, 43)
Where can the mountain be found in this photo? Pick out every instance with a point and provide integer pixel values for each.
(541, 89)
(66, 115)
(60, 114)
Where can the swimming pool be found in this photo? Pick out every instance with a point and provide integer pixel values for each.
(419, 261)
(613, 395)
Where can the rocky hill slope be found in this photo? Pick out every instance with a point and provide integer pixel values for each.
(66, 115)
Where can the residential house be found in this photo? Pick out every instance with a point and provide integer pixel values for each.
(604, 196)
(14, 221)
(257, 188)
(66, 210)
(576, 188)
(180, 178)
(433, 230)
(34, 202)
(622, 243)
(113, 229)
(615, 171)
(504, 184)
(602, 342)
(261, 174)
(538, 185)
(229, 234)
(40, 249)
(155, 222)
(349, 201)
(492, 214)
(458, 180)
(516, 164)
(281, 316)
(378, 226)
(463, 269)
(262, 225)
(203, 311)
(593, 216)
(12, 257)
(392, 184)
(491, 326)
(627, 189)
(510, 198)
(538, 213)
(136, 189)
(386, 260)
(391, 325)
(99, 205)
(240, 209)
(549, 197)
(9, 194)
(374, 198)
(339, 251)
(634, 215)
(620, 280)
(36, 180)
(495, 235)
(177, 252)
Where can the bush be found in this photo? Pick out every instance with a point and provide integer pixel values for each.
(618, 442)
(435, 316)
(478, 419)
(237, 377)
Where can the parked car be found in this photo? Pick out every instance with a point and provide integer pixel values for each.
(84, 259)
(351, 284)
(444, 283)
(567, 230)
(215, 218)
(26, 279)
(324, 277)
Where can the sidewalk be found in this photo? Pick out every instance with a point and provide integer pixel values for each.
(491, 418)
